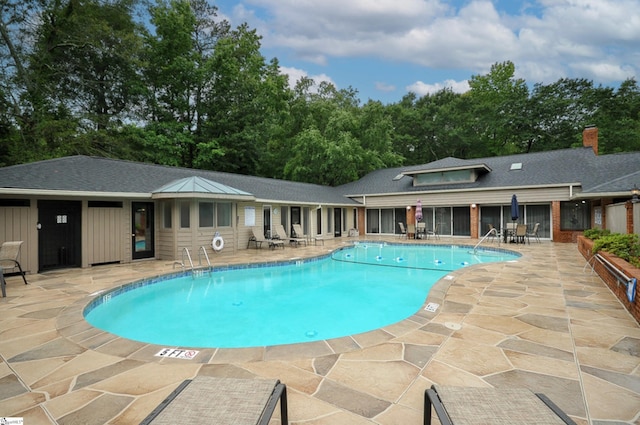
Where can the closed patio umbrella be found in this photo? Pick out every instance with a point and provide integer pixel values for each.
(514, 208)
(418, 211)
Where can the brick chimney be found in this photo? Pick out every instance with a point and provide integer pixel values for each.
(590, 138)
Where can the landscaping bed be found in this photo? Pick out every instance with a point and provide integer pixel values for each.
(585, 246)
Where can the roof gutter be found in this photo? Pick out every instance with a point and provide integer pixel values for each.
(484, 189)
(75, 193)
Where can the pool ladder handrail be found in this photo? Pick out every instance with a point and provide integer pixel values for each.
(495, 233)
(185, 252)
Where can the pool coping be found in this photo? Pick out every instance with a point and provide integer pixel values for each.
(72, 325)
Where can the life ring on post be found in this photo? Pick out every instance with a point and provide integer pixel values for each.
(218, 243)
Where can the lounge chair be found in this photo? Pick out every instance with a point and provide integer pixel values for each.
(9, 253)
(213, 400)
(299, 233)
(534, 233)
(403, 230)
(282, 235)
(258, 238)
(460, 405)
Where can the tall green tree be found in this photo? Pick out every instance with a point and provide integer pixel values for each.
(618, 118)
(498, 100)
(559, 113)
(84, 62)
(243, 104)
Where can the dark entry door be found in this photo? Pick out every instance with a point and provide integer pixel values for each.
(143, 230)
(337, 220)
(296, 217)
(59, 241)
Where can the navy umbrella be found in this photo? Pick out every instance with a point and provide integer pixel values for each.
(514, 208)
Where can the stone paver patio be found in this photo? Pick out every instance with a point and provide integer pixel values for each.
(543, 322)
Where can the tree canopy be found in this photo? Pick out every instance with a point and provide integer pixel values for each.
(182, 87)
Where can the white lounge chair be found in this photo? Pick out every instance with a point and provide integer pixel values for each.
(9, 254)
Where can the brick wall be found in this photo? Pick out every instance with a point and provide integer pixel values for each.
(620, 290)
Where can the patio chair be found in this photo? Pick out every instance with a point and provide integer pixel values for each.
(421, 230)
(521, 233)
(213, 400)
(493, 233)
(464, 405)
(433, 232)
(282, 235)
(258, 238)
(403, 230)
(411, 230)
(534, 232)
(9, 254)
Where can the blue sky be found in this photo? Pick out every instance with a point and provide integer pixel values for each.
(387, 48)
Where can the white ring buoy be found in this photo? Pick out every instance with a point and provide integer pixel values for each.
(217, 243)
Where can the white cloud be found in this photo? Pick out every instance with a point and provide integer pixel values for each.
(546, 39)
(296, 74)
(422, 89)
(380, 86)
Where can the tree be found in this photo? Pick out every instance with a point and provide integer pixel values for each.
(618, 118)
(244, 102)
(85, 58)
(559, 113)
(498, 101)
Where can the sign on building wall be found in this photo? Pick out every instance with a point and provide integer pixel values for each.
(249, 216)
(597, 216)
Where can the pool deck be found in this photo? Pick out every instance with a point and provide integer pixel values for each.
(544, 322)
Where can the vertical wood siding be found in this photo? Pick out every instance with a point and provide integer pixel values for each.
(14, 226)
(105, 228)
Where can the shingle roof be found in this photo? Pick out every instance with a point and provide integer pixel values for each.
(93, 174)
(602, 174)
(565, 166)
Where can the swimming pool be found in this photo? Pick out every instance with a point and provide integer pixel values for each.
(350, 291)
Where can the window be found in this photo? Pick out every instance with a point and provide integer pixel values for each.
(373, 221)
(455, 176)
(575, 215)
(185, 212)
(223, 214)
(205, 214)
(329, 220)
(166, 214)
(387, 224)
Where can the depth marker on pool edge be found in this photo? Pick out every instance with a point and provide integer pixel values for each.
(177, 354)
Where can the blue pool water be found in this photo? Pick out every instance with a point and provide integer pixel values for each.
(353, 290)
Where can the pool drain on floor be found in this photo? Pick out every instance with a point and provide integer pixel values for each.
(453, 326)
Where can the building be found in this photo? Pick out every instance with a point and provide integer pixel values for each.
(83, 211)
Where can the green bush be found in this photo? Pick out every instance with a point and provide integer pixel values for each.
(625, 246)
(596, 233)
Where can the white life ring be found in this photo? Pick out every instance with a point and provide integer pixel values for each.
(217, 243)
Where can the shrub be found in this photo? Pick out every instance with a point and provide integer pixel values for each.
(594, 234)
(625, 246)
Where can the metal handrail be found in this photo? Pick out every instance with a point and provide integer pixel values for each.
(492, 230)
(203, 249)
(185, 250)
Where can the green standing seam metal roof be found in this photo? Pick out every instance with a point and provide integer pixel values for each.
(199, 185)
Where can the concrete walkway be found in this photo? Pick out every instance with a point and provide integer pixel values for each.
(544, 322)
